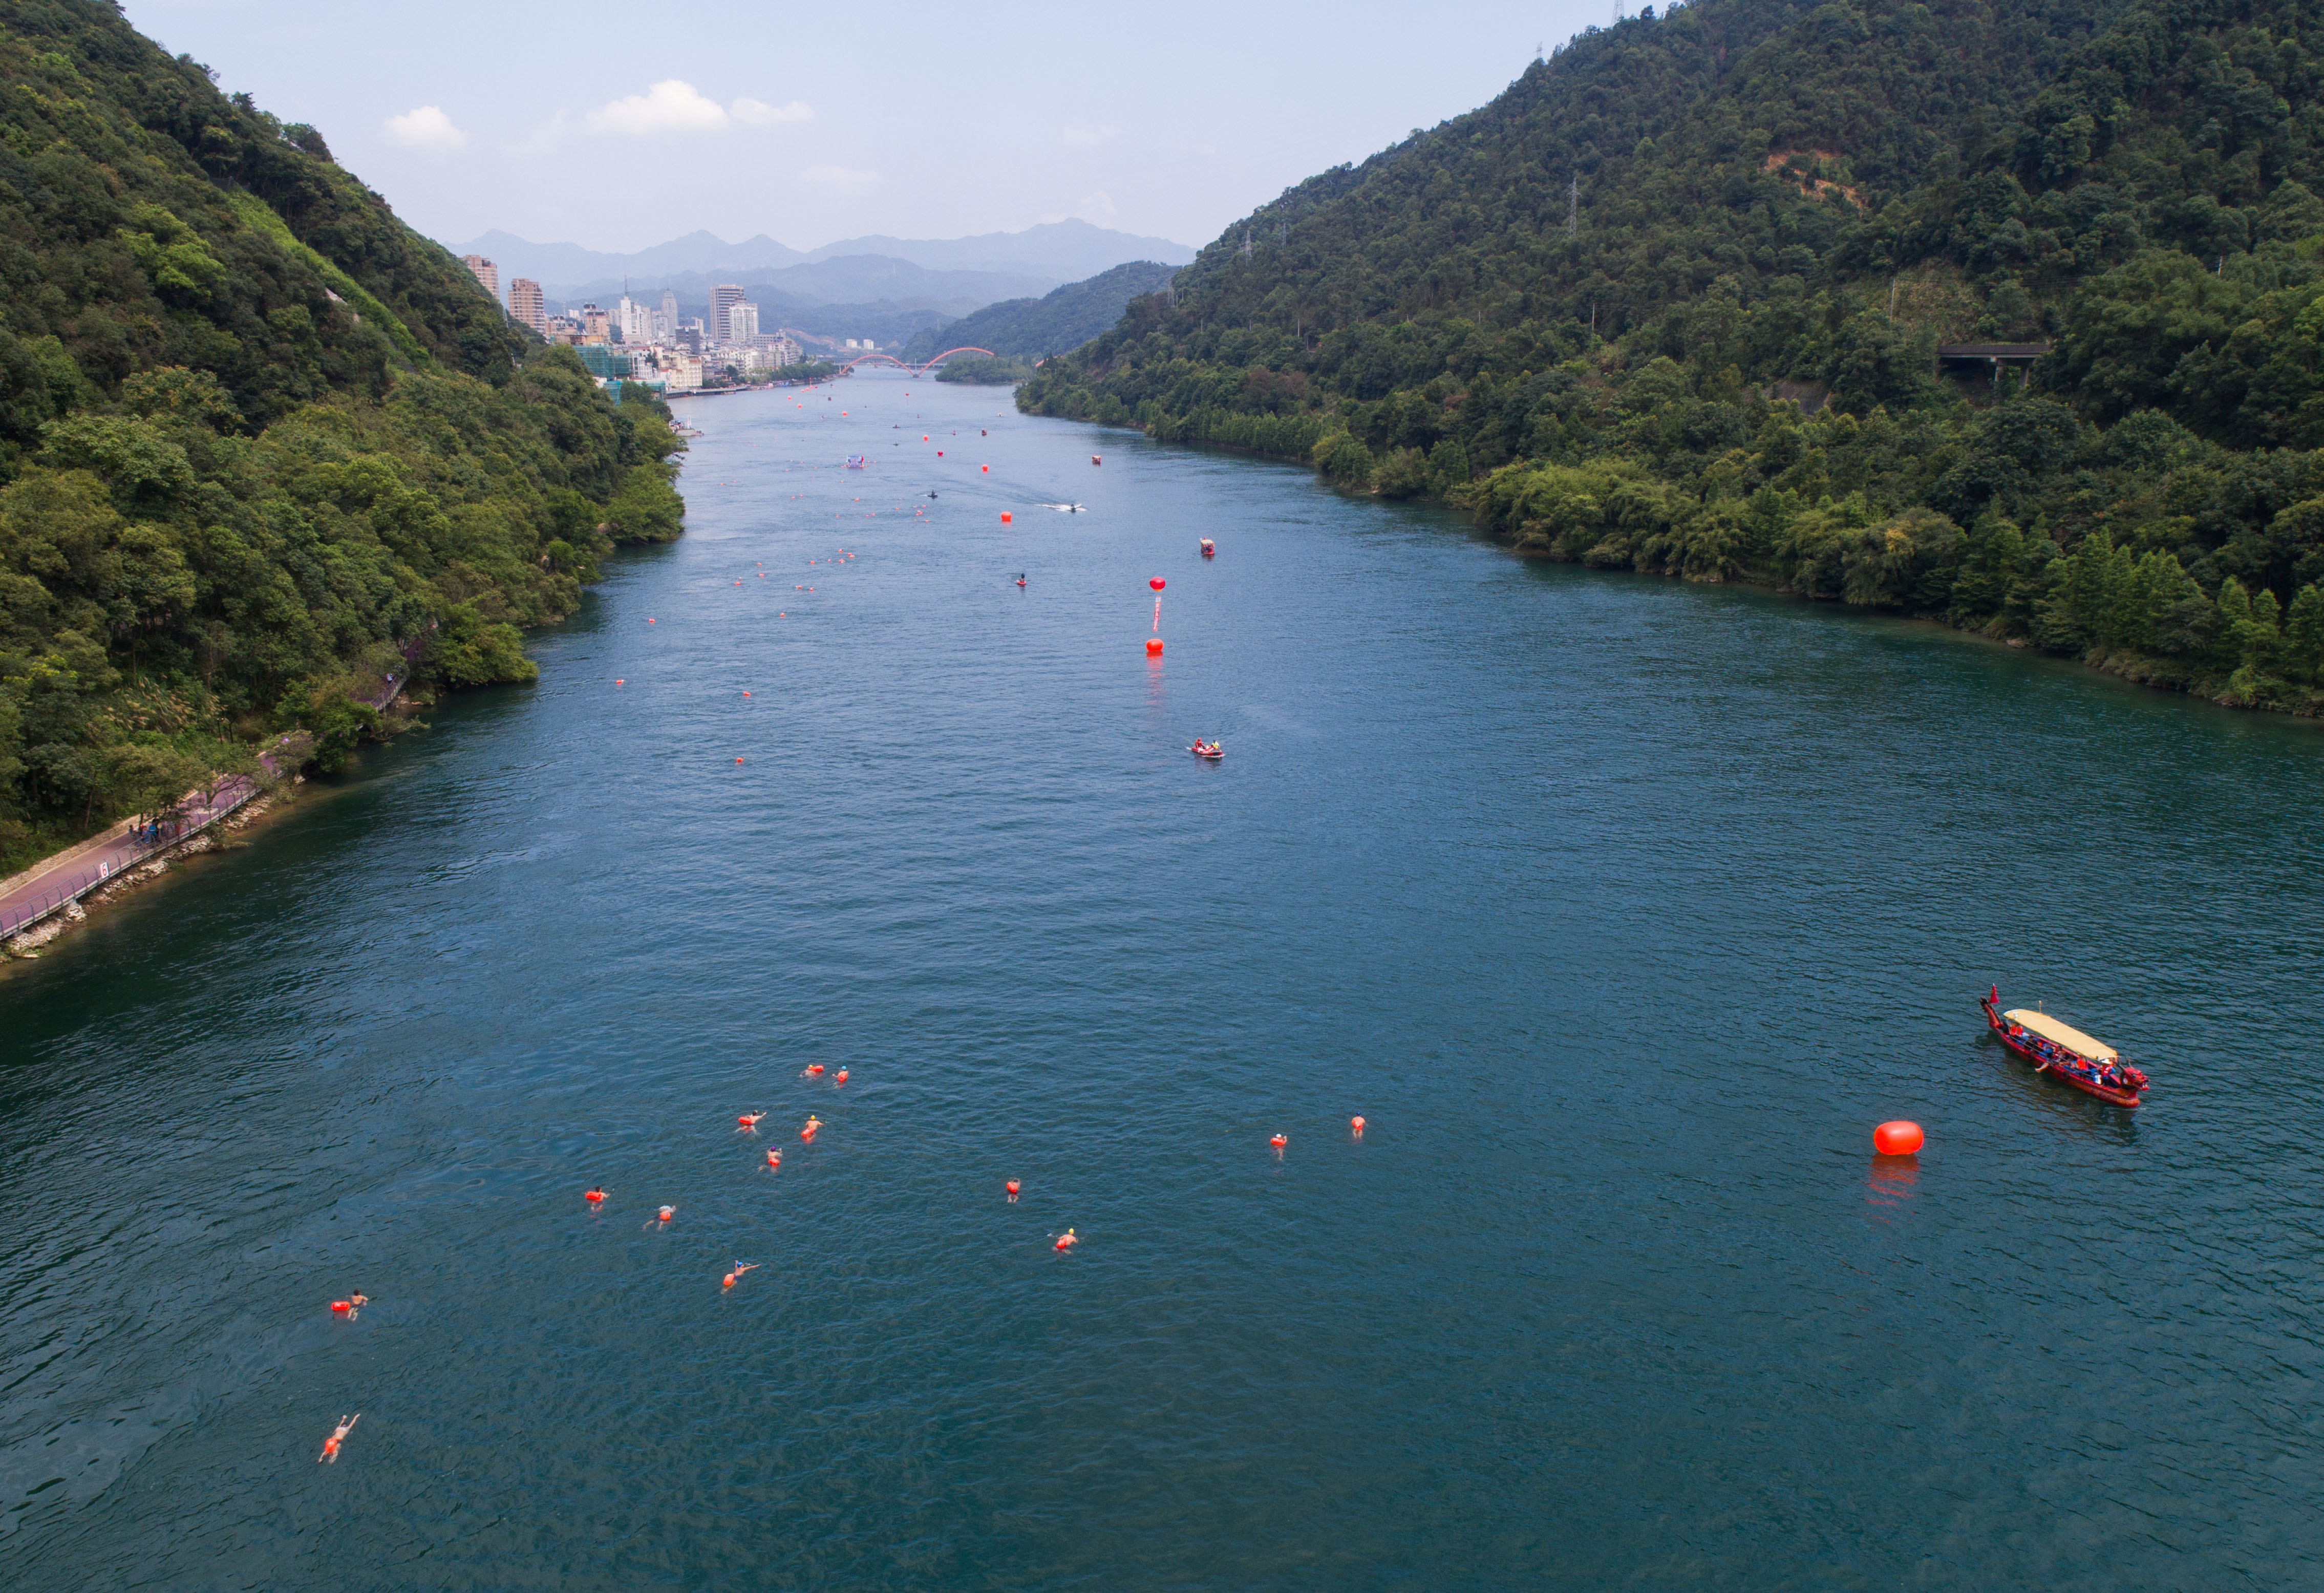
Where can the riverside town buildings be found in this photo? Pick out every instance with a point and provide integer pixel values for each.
(639, 340)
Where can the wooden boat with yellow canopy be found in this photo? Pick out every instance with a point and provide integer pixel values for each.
(2063, 1052)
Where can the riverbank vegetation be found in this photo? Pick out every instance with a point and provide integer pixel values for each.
(1672, 303)
(261, 446)
(984, 373)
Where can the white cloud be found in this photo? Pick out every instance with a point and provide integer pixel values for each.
(840, 176)
(426, 127)
(759, 114)
(1086, 136)
(670, 106)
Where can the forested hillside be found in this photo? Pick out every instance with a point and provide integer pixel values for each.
(1064, 318)
(1672, 302)
(260, 442)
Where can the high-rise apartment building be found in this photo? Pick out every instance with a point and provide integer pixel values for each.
(596, 325)
(525, 306)
(484, 272)
(723, 296)
(634, 320)
(741, 321)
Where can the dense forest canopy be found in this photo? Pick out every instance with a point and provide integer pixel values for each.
(1674, 302)
(261, 443)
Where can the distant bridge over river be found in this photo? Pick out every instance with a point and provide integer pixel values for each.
(915, 370)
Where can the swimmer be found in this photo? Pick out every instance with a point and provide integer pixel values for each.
(749, 1120)
(807, 1130)
(774, 1158)
(1066, 1241)
(338, 1435)
(1020, 580)
(594, 1195)
(739, 1269)
(358, 1300)
(668, 1212)
(839, 1077)
(814, 1070)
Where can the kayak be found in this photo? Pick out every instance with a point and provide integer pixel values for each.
(2064, 1053)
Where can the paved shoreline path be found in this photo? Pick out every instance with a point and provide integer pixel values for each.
(55, 883)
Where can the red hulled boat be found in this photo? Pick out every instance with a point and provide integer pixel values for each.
(2064, 1053)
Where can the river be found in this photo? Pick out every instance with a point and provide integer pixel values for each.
(1621, 908)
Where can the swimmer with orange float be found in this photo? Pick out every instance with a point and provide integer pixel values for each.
(839, 1077)
(749, 1120)
(807, 1130)
(814, 1070)
(1066, 1241)
(338, 1436)
(739, 1269)
(774, 1158)
(595, 1195)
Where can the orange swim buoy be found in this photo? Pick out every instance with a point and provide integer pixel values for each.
(1066, 1241)
(1357, 1124)
(812, 1068)
(617, 681)
(594, 1196)
(341, 1305)
(728, 1281)
(1011, 1187)
(1153, 647)
(1898, 1138)
(668, 1212)
(839, 1077)
(774, 1158)
(1278, 1142)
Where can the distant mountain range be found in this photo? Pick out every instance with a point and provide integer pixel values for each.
(1034, 260)
(847, 279)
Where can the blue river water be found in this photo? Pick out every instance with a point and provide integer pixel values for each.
(1622, 909)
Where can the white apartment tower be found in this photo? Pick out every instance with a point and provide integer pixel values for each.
(722, 297)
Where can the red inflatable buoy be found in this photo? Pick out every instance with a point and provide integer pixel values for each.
(1007, 517)
(1156, 582)
(1278, 1142)
(1899, 1138)
(1011, 1187)
(1357, 1124)
(1153, 647)
(341, 1305)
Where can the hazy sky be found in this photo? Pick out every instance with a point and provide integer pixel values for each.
(618, 126)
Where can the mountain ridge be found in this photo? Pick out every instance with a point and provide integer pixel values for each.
(1057, 252)
(1572, 310)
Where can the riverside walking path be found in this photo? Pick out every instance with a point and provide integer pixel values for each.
(56, 882)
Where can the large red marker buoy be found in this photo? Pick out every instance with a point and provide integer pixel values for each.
(1007, 517)
(1153, 647)
(1898, 1138)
